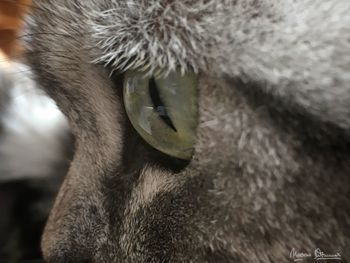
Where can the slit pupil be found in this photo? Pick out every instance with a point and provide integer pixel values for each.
(159, 106)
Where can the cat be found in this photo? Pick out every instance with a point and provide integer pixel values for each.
(269, 173)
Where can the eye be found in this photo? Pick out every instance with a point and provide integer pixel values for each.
(163, 111)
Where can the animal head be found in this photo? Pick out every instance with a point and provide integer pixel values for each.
(268, 165)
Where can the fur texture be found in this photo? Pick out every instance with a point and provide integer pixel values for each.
(271, 163)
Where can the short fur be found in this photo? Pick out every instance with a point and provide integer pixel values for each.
(271, 165)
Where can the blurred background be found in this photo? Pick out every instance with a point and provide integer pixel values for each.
(35, 144)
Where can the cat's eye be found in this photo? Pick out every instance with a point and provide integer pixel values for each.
(163, 110)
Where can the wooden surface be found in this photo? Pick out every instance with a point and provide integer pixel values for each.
(11, 16)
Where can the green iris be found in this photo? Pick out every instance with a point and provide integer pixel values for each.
(164, 111)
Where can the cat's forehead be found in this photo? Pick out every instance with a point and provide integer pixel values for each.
(166, 35)
(154, 35)
(159, 35)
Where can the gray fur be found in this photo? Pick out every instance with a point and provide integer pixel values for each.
(271, 165)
